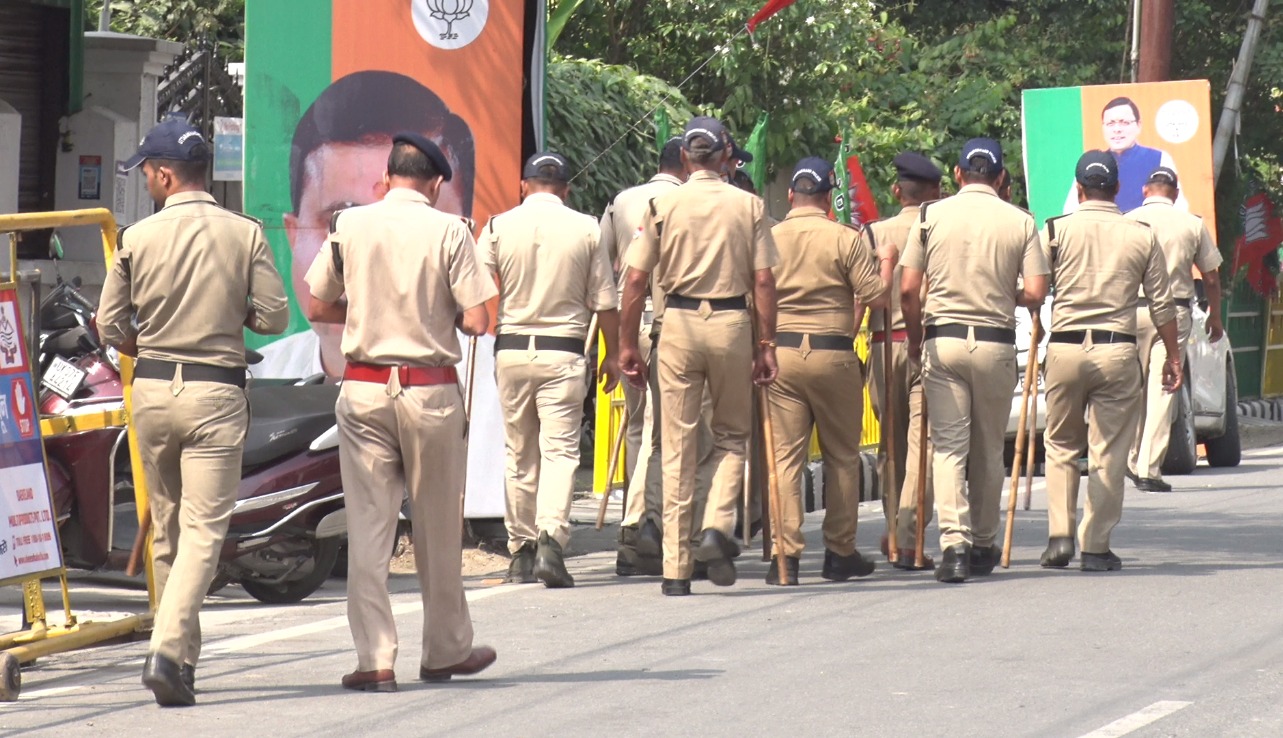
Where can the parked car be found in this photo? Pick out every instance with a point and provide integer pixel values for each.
(1206, 410)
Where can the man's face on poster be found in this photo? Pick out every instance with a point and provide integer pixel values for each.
(1121, 128)
(338, 176)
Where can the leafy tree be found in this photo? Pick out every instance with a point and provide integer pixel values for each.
(222, 22)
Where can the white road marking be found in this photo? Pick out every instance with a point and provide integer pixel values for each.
(1139, 719)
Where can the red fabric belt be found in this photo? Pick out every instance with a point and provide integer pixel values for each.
(410, 376)
(896, 336)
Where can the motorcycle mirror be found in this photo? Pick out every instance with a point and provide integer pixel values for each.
(55, 247)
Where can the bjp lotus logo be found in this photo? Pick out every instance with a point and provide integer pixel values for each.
(450, 24)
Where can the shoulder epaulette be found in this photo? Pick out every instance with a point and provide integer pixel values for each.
(922, 210)
(239, 214)
(123, 261)
(654, 213)
(469, 222)
(867, 229)
(334, 220)
(120, 234)
(1051, 227)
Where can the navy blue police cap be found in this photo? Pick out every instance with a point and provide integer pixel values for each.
(911, 165)
(547, 165)
(1097, 169)
(813, 175)
(429, 149)
(983, 147)
(174, 139)
(737, 153)
(1163, 175)
(704, 133)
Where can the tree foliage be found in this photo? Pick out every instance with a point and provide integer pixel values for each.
(590, 106)
(221, 22)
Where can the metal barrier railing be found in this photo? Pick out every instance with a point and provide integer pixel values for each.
(43, 639)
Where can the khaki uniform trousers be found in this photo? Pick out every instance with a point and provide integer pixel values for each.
(714, 349)
(824, 390)
(1154, 429)
(968, 388)
(645, 484)
(542, 396)
(190, 438)
(1093, 395)
(394, 440)
(906, 393)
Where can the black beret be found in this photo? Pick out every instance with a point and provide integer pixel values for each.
(429, 149)
(909, 165)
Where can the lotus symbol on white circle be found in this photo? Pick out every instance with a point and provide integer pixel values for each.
(449, 11)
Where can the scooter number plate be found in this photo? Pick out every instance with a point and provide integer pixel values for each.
(63, 377)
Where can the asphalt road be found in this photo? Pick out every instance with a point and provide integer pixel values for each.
(1187, 640)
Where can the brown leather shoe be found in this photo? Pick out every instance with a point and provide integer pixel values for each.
(379, 680)
(477, 661)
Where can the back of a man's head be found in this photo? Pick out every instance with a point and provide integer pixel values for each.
(370, 107)
(670, 157)
(408, 161)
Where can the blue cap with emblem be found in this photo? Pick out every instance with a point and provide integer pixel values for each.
(174, 139)
(1097, 169)
(704, 134)
(1163, 175)
(429, 149)
(547, 165)
(987, 150)
(813, 176)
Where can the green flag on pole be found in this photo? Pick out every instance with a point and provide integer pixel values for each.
(661, 128)
(756, 145)
(841, 193)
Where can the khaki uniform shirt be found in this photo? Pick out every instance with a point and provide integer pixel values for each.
(624, 214)
(704, 240)
(893, 230)
(1184, 239)
(553, 273)
(972, 248)
(408, 270)
(190, 274)
(1102, 260)
(824, 266)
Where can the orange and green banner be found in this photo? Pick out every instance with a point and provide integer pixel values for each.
(1144, 125)
(328, 84)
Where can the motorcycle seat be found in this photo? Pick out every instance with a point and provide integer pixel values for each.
(286, 419)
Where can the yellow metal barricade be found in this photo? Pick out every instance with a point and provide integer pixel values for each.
(43, 639)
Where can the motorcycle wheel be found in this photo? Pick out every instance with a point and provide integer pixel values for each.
(325, 551)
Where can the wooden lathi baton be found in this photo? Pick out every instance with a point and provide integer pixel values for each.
(1033, 445)
(612, 468)
(773, 487)
(140, 544)
(1022, 441)
(887, 430)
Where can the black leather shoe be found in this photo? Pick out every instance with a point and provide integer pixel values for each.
(984, 559)
(1101, 562)
(1132, 476)
(522, 568)
(188, 673)
(791, 564)
(717, 551)
(550, 567)
(841, 568)
(955, 564)
(1059, 552)
(675, 587)
(700, 572)
(650, 542)
(164, 678)
(1152, 485)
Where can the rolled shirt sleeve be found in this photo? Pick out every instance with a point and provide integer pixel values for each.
(765, 254)
(862, 269)
(914, 255)
(1157, 286)
(1035, 258)
(486, 251)
(324, 278)
(1208, 257)
(115, 317)
(266, 290)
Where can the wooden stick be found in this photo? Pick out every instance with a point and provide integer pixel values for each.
(1022, 441)
(1033, 445)
(919, 555)
(140, 544)
(887, 430)
(472, 374)
(773, 487)
(612, 466)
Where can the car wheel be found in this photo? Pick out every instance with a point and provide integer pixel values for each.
(1182, 449)
(1226, 450)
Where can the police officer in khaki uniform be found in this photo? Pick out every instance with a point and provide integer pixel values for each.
(971, 249)
(410, 277)
(1101, 262)
(184, 284)
(824, 268)
(1186, 243)
(553, 275)
(708, 245)
(918, 181)
(640, 540)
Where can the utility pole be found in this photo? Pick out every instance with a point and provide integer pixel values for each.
(1157, 24)
(1135, 53)
(1238, 86)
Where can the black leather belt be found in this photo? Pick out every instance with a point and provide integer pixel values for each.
(542, 343)
(158, 369)
(1185, 302)
(682, 302)
(818, 342)
(1080, 337)
(981, 332)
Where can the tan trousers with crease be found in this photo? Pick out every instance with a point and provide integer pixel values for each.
(906, 393)
(1154, 428)
(392, 440)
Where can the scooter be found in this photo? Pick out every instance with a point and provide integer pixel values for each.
(288, 523)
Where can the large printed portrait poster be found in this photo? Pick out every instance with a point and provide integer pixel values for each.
(1144, 125)
(327, 86)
